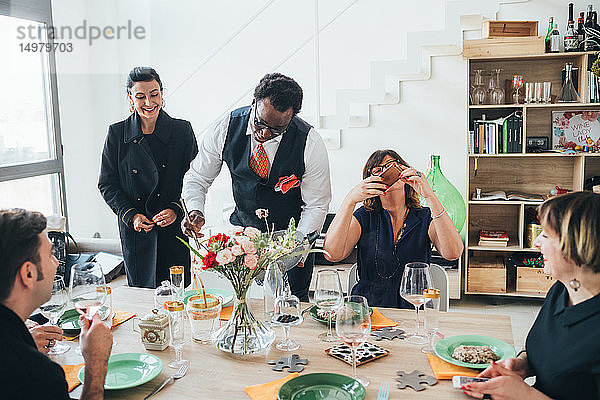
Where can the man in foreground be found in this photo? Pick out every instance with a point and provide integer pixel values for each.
(27, 269)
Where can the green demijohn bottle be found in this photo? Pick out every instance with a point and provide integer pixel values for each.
(448, 195)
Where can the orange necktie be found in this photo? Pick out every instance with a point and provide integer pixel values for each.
(259, 161)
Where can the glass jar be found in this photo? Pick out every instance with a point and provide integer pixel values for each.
(162, 294)
(273, 287)
(203, 314)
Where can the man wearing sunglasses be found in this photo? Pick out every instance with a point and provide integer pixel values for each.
(277, 162)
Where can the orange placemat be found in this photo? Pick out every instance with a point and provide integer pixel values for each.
(444, 370)
(378, 320)
(121, 316)
(71, 372)
(269, 390)
(226, 313)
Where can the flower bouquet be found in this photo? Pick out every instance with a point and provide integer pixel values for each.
(241, 256)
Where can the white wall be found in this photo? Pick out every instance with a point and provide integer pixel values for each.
(207, 70)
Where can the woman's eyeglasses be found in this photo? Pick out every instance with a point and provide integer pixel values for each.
(259, 125)
(380, 169)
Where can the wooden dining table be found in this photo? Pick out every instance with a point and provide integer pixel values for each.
(214, 374)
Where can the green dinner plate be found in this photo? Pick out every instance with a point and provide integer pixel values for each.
(69, 321)
(322, 386)
(445, 347)
(315, 316)
(225, 294)
(129, 370)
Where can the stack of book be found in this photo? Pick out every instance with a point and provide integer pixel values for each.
(493, 238)
(492, 137)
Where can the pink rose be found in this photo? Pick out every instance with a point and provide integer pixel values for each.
(247, 245)
(236, 250)
(251, 261)
(251, 232)
(225, 256)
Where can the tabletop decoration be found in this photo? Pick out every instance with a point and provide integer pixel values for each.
(388, 333)
(415, 380)
(240, 256)
(293, 363)
(365, 352)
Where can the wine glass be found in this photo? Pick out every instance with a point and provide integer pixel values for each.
(517, 84)
(328, 296)
(177, 330)
(415, 280)
(432, 317)
(274, 285)
(87, 288)
(53, 309)
(287, 314)
(353, 326)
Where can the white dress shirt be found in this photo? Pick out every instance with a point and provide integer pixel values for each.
(315, 186)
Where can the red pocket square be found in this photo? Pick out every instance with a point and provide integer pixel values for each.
(286, 183)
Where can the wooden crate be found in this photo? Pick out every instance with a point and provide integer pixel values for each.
(533, 280)
(488, 280)
(494, 29)
(506, 46)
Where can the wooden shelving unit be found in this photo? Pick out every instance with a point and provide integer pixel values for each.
(526, 172)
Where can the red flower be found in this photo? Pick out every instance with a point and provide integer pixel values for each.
(218, 238)
(209, 260)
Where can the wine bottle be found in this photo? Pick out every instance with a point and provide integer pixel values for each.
(547, 40)
(589, 24)
(555, 39)
(581, 32)
(570, 40)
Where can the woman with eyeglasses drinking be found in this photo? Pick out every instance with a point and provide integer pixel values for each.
(390, 228)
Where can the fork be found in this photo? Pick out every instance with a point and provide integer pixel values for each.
(179, 374)
(384, 391)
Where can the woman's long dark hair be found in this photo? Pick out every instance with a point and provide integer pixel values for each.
(411, 197)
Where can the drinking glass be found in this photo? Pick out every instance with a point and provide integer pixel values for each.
(517, 84)
(87, 288)
(177, 330)
(287, 314)
(547, 98)
(107, 312)
(432, 317)
(203, 314)
(328, 296)
(274, 286)
(415, 280)
(538, 92)
(529, 97)
(353, 326)
(53, 309)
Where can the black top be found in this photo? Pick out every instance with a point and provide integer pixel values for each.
(280, 192)
(25, 373)
(381, 261)
(563, 348)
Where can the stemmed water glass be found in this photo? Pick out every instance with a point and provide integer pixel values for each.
(177, 331)
(415, 280)
(353, 326)
(287, 314)
(54, 308)
(432, 317)
(517, 84)
(328, 296)
(87, 288)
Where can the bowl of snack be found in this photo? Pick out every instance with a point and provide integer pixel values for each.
(322, 315)
(473, 351)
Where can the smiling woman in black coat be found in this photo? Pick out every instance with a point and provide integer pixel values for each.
(143, 163)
